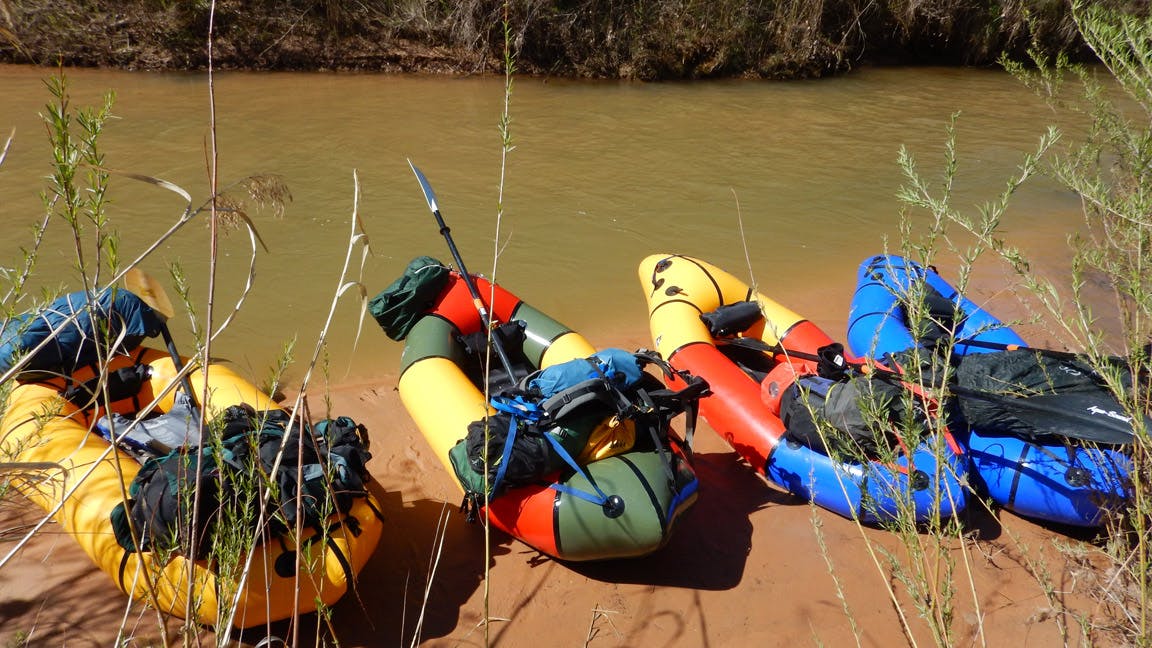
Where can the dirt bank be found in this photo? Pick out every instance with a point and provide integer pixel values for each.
(648, 39)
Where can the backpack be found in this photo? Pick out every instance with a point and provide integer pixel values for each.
(232, 475)
(549, 419)
(530, 456)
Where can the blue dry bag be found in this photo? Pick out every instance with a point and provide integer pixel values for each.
(617, 365)
(73, 343)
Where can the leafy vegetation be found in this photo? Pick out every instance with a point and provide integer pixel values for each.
(1110, 169)
(646, 39)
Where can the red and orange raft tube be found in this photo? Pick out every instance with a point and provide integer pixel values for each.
(749, 372)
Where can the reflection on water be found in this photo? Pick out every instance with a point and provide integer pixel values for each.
(801, 174)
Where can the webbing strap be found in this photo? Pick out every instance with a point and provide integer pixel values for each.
(1068, 447)
(564, 488)
(664, 453)
(518, 407)
(505, 455)
(621, 402)
(569, 399)
(531, 412)
(690, 413)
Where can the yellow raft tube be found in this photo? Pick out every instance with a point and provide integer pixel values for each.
(79, 478)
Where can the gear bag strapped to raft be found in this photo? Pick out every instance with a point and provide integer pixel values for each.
(1023, 377)
(544, 425)
(858, 411)
(232, 476)
(510, 336)
(114, 314)
(398, 307)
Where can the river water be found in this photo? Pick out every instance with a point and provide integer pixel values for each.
(602, 174)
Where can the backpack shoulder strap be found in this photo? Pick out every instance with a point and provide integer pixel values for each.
(668, 402)
(570, 399)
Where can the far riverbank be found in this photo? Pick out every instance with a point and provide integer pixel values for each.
(647, 39)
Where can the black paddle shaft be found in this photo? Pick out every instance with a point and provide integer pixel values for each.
(178, 364)
(445, 231)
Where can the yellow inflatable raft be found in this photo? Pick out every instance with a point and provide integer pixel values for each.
(89, 477)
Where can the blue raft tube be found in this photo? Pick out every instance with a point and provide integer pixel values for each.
(1050, 479)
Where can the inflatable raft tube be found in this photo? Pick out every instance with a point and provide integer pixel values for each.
(745, 409)
(91, 477)
(1041, 478)
(442, 401)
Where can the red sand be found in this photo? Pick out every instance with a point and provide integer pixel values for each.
(744, 567)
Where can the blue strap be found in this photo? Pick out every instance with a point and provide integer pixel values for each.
(518, 407)
(575, 492)
(504, 456)
(530, 411)
(564, 488)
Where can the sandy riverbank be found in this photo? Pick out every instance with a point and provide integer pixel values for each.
(744, 568)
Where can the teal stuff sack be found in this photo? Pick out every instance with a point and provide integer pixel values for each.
(399, 306)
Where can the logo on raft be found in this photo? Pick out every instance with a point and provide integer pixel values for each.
(1109, 413)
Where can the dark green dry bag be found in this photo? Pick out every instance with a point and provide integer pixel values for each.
(399, 306)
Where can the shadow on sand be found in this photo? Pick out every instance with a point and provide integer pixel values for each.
(710, 544)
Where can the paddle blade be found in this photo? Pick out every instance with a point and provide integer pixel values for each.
(149, 290)
(1088, 416)
(425, 187)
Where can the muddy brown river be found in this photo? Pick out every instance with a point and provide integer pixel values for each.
(802, 176)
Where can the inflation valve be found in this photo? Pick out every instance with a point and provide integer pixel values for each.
(613, 506)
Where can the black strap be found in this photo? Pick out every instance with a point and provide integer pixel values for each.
(686, 400)
(470, 506)
(123, 566)
(122, 383)
(665, 455)
(559, 405)
(349, 573)
(666, 403)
